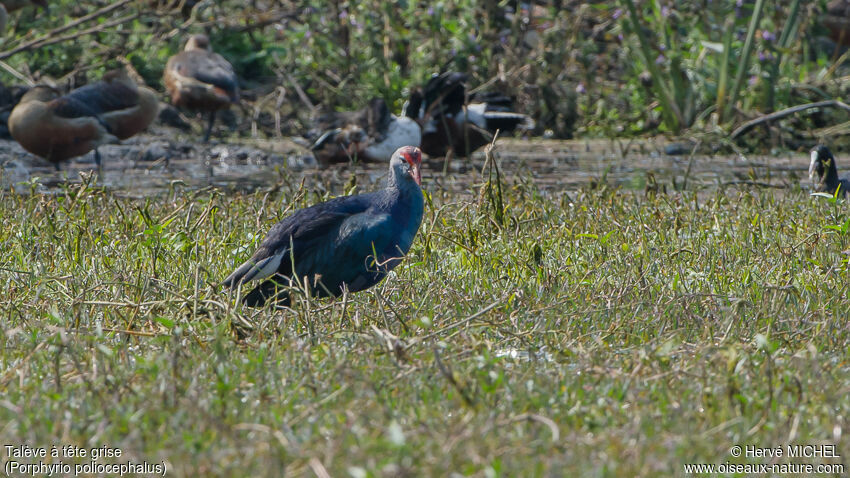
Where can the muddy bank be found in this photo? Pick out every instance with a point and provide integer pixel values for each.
(152, 162)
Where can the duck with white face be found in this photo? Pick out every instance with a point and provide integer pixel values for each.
(824, 173)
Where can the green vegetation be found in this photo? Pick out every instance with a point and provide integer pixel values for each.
(605, 333)
(529, 332)
(609, 68)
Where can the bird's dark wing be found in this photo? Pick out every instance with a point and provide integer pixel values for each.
(445, 94)
(378, 118)
(65, 107)
(297, 235)
(494, 100)
(209, 68)
(96, 99)
(356, 254)
(413, 106)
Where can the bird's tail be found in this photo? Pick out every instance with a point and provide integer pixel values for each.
(495, 101)
(236, 277)
(507, 121)
(268, 290)
(499, 112)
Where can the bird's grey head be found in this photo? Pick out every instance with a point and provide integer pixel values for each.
(198, 41)
(406, 163)
(822, 162)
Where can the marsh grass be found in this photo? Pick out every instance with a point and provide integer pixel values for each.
(594, 333)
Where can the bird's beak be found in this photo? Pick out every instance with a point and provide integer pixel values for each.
(813, 165)
(416, 174)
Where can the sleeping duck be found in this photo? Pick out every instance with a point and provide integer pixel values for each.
(369, 134)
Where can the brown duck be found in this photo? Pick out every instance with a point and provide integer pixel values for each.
(199, 79)
(58, 127)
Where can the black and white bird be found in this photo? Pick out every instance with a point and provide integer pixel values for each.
(824, 173)
(369, 134)
(348, 242)
(452, 119)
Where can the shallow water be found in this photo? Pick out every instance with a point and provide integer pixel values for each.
(154, 163)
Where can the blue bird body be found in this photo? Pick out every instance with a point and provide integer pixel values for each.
(351, 241)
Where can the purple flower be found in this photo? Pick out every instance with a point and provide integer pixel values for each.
(660, 59)
(768, 36)
(343, 14)
(431, 11)
(618, 13)
(620, 36)
(753, 80)
(580, 89)
(665, 11)
(308, 34)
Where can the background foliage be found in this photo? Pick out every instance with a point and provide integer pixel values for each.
(529, 332)
(577, 68)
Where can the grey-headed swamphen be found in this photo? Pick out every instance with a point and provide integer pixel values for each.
(333, 244)
(824, 173)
